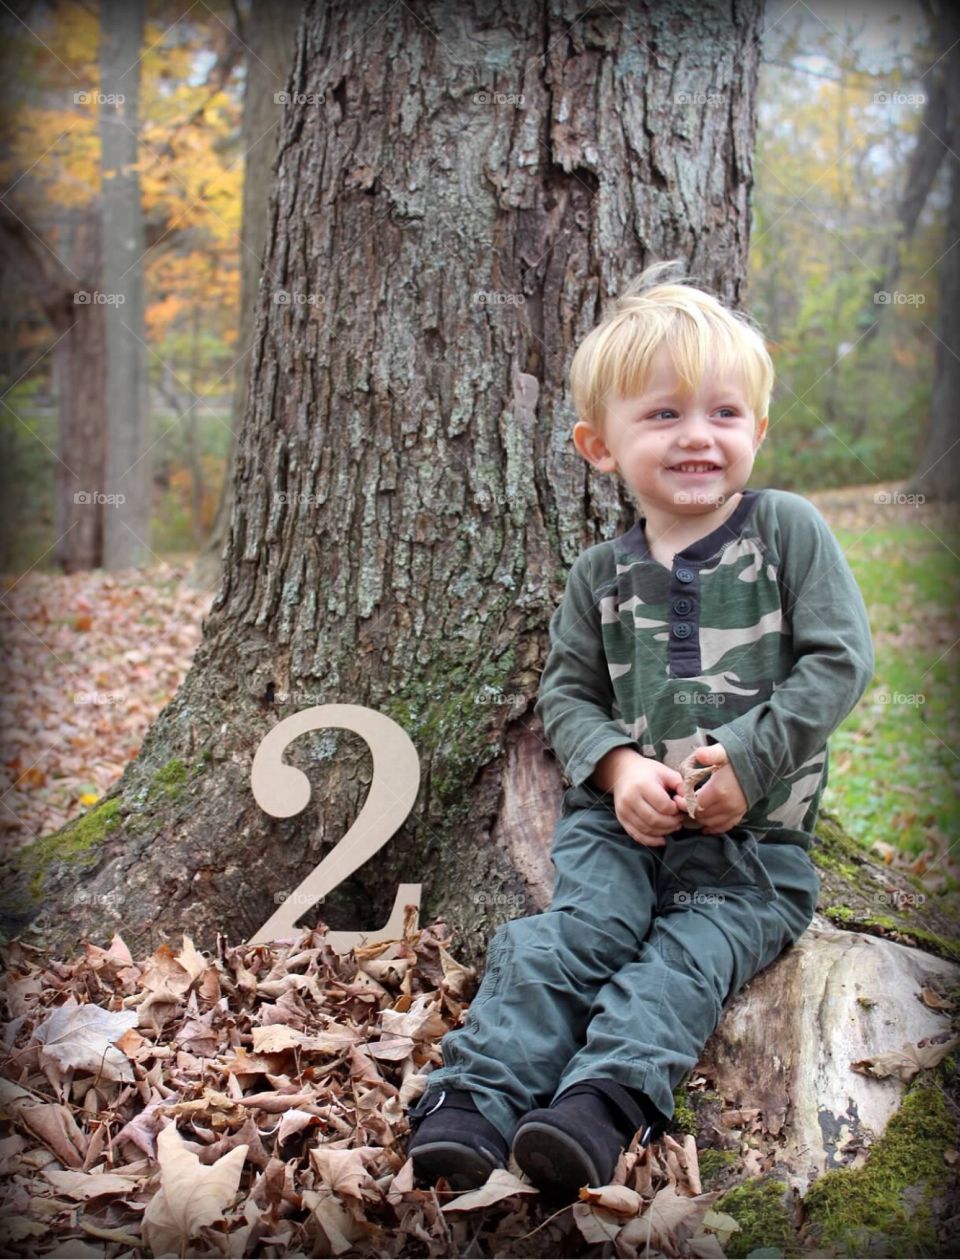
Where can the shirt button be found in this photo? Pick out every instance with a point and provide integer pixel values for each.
(682, 629)
(685, 575)
(682, 606)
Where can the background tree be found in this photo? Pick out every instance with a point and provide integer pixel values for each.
(190, 171)
(127, 522)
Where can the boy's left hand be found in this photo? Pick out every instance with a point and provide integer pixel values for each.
(721, 803)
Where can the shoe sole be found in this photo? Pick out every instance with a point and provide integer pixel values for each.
(553, 1160)
(462, 1166)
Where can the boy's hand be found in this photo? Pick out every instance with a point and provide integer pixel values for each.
(642, 802)
(721, 803)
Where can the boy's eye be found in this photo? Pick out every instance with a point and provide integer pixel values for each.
(726, 412)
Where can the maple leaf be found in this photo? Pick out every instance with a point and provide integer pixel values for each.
(191, 1194)
(81, 1035)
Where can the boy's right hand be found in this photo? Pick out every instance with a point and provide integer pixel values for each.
(641, 788)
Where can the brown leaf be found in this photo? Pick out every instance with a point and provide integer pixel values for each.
(191, 1194)
(81, 1035)
(613, 1198)
(499, 1185)
(669, 1221)
(906, 1062)
(936, 1001)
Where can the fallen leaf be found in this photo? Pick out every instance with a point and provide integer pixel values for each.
(191, 1194)
(81, 1035)
(906, 1062)
(499, 1185)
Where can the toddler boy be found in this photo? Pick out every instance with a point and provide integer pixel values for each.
(726, 623)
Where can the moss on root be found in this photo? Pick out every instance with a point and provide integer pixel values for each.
(834, 850)
(885, 1207)
(78, 843)
(712, 1162)
(684, 1118)
(884, 925)
(761, 1208)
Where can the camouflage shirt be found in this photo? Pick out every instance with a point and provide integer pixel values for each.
(756, 637)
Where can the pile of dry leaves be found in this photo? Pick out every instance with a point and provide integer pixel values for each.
(254, 1103)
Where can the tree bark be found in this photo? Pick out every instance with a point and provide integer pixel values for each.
(127, 518)
(271, 30)
(407, 499)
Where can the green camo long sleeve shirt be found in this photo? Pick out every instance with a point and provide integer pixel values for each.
(757, 638)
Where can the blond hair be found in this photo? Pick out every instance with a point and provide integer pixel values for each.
(614, 359)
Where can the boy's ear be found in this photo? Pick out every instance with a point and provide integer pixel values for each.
(592, 447)
(760, 434)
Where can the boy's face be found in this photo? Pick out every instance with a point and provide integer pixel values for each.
(646, 438)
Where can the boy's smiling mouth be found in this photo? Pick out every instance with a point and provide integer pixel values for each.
(695, 467)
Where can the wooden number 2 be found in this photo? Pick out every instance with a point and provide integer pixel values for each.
(284, 791)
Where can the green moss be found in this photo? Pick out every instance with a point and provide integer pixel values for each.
(712, 1163)
(77, 842)
(884, 1207)
(942, 946)
(834, 850)
(170, 778)
(684, 1119)
(760, 1208)
(448, 718)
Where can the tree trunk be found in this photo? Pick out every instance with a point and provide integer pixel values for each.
(271, 29)
(78, 358)
(127, 518)
(939, 474)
